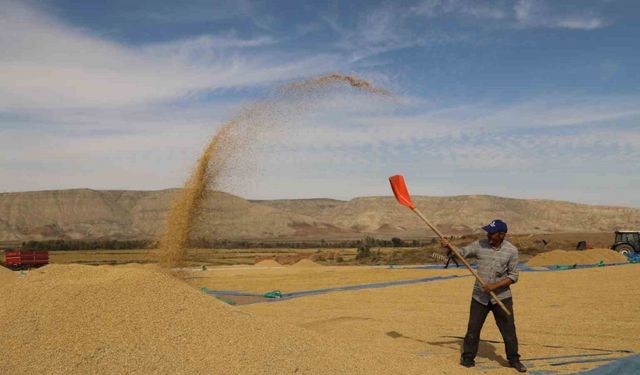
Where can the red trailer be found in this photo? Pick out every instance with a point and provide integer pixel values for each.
(22, 259)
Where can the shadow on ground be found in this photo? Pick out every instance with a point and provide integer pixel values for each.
(486, 349)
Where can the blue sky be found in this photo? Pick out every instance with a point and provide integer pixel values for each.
(524, 98)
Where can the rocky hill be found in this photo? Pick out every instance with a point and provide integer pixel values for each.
(92, 214)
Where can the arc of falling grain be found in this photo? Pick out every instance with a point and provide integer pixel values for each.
(215, 160)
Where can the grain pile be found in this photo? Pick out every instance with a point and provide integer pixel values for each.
(268, 263)
(305, 263)
(6, 275)
(563, 257)
(231, 143)
(77, 319)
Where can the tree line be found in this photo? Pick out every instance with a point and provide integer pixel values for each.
(205, 243)
(355, 243)
(54, 245)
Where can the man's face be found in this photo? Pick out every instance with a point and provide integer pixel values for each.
(495, 239)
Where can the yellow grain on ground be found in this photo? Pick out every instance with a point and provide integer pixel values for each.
(565, 313)
(290, 279)
(564, 257)
(7, 276)
(306, 263)
(268, 263)
(76, 319)
(194, 257)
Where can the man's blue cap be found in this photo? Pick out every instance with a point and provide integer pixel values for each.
(496, 225)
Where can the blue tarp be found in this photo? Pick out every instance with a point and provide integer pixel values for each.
(522, 267)
(627, 365)
(334, 289)
(633, 257)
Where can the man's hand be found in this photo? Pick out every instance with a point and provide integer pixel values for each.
(489, 287)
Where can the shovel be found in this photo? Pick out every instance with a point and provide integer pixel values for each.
(402, 195)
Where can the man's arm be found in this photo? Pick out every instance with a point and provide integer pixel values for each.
(512, 268)
(498, 284)
(465, 251)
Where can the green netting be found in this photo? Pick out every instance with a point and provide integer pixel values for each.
(273, 294)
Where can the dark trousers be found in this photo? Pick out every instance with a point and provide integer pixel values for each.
(506, 325)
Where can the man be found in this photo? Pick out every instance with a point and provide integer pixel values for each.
(498, 268)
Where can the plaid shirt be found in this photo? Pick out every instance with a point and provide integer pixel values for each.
(493, 265)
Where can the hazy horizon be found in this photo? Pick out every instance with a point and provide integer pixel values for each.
(390, 195)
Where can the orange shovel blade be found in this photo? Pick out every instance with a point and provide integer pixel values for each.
(400, 191)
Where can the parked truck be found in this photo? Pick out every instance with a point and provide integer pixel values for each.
(18, 259)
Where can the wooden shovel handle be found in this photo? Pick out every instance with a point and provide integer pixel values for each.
(457, 253)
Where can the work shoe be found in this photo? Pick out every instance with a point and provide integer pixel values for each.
(518, 366)
(466, 362)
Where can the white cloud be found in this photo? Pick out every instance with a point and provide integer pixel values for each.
(386, 28)
(582, 23)
(522, 13)
(369, 121)
(395, 26)
(555, 111)
(197, 11)
(47, 64)
(471, 8)
(554, 133)
(570, 165)
(203, 48)
(134, 160)
(343, 142)
(538, 13)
